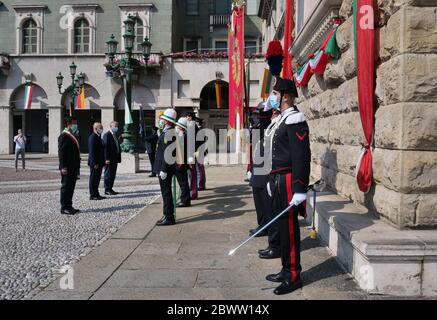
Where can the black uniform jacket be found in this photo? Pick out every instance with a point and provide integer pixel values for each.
(164, 142)
(261, 158)
(68, 152)
(291, 149)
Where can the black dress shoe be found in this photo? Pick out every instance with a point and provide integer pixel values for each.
(276, 277)
(270, 254)
(75, 210)
(68, 211)
(97, 198)
(183, 205)
(152, 175)
(287, 287)
(264, 250)
(166, 221)
(261, 234)
(111, 193)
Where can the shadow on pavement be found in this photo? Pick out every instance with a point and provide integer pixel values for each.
(327, 269)
(223, 205)
(112, 209)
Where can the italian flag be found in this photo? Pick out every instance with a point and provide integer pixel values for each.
(267, 82)
(80, 100)
(318, 61)
(218, 95)
(303, 75)
(327, 51)
(28, 93)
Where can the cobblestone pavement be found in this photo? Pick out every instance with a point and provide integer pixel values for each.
(36, 241)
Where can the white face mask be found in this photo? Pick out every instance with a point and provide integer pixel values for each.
(99, 131)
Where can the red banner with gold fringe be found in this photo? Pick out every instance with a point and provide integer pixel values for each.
(236, 67)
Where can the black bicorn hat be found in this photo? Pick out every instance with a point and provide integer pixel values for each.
(285, 86)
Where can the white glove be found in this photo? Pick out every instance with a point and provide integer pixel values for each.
(298, 198)
(268, 189)
(248, 175)
(163, 175)
(190, 160)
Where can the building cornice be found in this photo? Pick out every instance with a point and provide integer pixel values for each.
(136, 5)
(26, 7)
(84, 6)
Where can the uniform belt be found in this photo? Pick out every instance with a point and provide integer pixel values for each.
(281, 170)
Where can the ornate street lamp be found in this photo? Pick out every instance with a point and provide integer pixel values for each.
(146, 45)
(111, 45)
(126, 71)
(77, 84)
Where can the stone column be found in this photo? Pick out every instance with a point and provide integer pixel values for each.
(55, 127)
(107, 116)
(6, 127)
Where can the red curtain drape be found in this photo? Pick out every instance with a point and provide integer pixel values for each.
(288, 40)
(365, 58)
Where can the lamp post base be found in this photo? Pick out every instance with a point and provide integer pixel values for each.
(128, 145)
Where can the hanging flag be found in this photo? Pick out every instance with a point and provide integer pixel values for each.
(142, 124)
(287, 72)
(303, 75)
(218, 95)
(328, 50)
(80, 99)
(365, 53)
(319, 60)
(28, 94)
(266, 85)
(127, 108)
(236, 67)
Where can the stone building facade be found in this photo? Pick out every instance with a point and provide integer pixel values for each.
(390, 229)
(40, 39)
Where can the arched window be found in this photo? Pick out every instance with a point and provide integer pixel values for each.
(81, 36)
(30, 37)
(139, 34)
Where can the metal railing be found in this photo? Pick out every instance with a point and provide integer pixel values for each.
(219, 19)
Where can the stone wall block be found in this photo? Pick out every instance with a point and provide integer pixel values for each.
(345, 34)
(408, 77)
(421, 29)
(407, 126)
(346, 129)
(333, 76)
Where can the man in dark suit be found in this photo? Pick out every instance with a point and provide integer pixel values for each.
(112, 157)
(96, 160)
(69, 164)
(151, 141)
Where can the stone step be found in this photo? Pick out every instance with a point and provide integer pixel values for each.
(383, 259)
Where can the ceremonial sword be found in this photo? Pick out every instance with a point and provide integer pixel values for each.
(311, 187)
